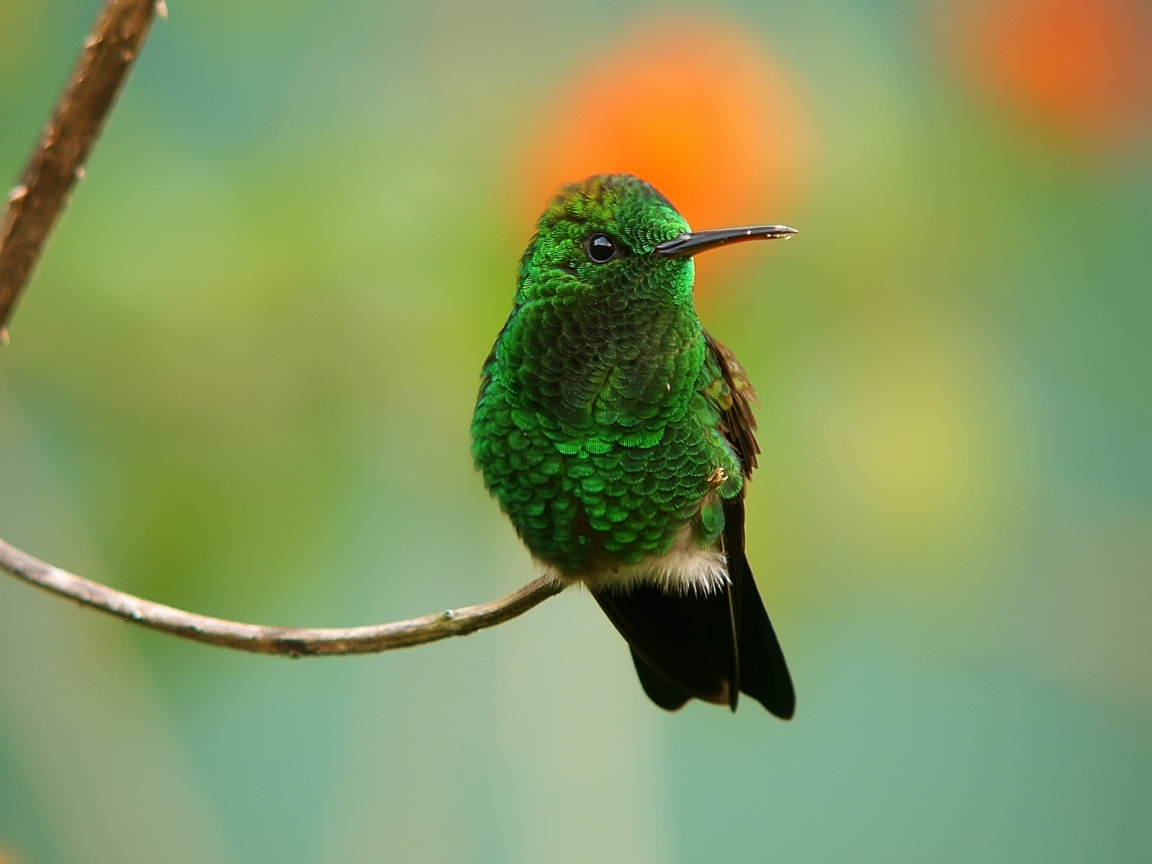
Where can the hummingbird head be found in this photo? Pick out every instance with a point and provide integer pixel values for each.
(616, 229)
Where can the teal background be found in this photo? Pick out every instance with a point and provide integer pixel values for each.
(241, 383)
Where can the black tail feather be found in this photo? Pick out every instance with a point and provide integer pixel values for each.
(685, 640)
(667, 696)
(681, 646)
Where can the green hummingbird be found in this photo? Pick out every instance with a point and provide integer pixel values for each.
(618, 437)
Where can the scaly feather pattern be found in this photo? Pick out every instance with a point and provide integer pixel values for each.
(597, 426)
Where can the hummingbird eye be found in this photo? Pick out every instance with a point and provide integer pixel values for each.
(600, 249)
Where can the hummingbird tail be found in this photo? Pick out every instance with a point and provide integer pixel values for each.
(683, 645)
(665, 694)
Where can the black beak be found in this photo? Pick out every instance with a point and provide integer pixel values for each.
(701, 241)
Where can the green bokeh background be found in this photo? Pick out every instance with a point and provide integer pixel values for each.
(241, 383)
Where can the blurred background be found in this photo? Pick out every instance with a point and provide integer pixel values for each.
(242, 379)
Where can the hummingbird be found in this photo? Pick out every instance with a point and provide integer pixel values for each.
(618, 437)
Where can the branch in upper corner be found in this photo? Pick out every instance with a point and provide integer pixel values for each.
(57, 163)
(290, 641)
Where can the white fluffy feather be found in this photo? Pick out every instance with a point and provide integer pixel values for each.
(684, 569)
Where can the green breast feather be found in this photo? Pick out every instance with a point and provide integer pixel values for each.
(598, 422)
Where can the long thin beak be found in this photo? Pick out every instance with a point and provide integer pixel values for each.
(701, 241)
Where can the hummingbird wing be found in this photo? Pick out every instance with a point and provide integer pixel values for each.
(735, 401)
(763, 672)
(760, 665)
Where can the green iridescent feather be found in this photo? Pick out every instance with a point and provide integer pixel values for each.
(598, 425)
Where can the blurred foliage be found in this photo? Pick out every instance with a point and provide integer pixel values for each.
(242, 378)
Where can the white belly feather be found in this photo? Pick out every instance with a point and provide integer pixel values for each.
(685, 569)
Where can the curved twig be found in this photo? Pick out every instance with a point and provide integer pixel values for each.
(58, 160)
(32, 209)
(290, 641)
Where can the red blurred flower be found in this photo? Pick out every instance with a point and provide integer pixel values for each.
(696, 108)
(1080, 67)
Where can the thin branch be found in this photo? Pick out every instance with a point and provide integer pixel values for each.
(33, 208)
(291, 641)
(58, 160)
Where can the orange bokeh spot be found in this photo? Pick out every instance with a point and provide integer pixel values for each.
(1081, 67)
(697, 109)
